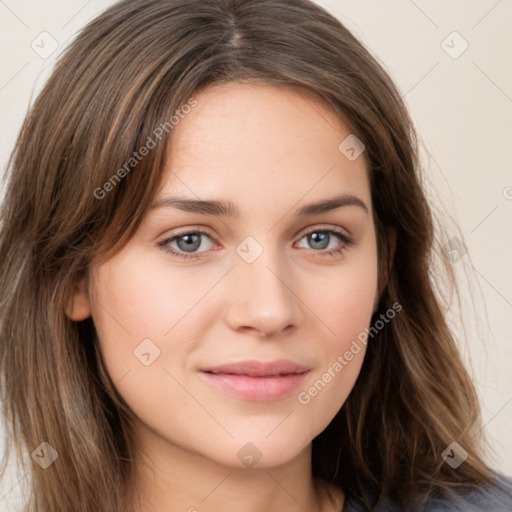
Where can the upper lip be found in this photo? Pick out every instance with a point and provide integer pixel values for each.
(255, 368)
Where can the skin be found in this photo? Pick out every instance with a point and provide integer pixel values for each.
(269, 150)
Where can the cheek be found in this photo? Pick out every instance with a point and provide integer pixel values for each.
(355, 306)
(343, 299)
(344, 304)
(140, 309)
(147, 322)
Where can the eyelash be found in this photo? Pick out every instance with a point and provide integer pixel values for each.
(346, 242)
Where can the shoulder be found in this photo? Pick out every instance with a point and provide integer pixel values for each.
(495, 497)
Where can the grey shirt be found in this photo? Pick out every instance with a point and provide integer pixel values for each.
(496, 497)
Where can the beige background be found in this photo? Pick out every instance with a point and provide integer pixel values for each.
(462, 108)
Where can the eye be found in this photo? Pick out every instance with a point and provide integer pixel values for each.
(187, 243)
(321, 239)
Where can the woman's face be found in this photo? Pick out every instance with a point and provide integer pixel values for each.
(265, 283)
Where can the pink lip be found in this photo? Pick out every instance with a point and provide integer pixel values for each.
(255, 380)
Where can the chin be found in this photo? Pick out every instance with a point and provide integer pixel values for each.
(264, 453)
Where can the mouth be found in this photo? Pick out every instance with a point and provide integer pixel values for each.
(256, 380)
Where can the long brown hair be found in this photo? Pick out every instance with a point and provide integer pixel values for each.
(126, 74)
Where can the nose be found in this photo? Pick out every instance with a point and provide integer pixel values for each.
(261, 296)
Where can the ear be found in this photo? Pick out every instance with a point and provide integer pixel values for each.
(78, 306)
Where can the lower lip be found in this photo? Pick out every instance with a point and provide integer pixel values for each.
(256, 388)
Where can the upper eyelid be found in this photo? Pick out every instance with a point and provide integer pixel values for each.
(303, 232)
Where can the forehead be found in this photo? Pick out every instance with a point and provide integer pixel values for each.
(257, 142)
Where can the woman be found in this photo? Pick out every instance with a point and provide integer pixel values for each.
(216, 289)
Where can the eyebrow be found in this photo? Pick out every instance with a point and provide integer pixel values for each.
(229, 209)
